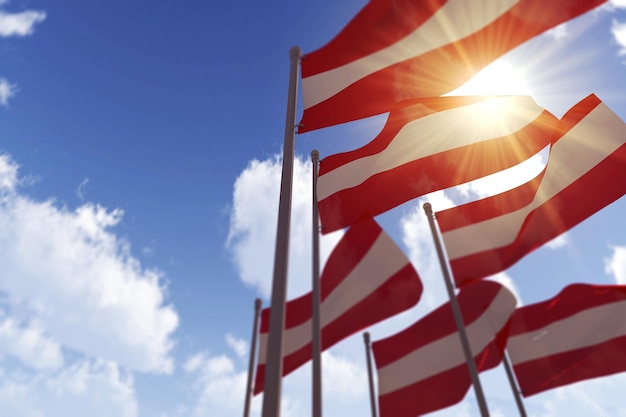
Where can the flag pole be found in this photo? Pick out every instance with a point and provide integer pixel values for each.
(370, 377)
(316, 336)
(274, 362)
(255, 332)
(458, 318)
(513, 383)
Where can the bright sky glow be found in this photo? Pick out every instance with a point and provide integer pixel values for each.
(498, 78)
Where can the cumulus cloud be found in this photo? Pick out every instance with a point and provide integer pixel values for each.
(239, 346)
(29, 344)
(68, 275)
(253, 220)
(219, 385)
(344, 381)
(97, 389)
(7, 90)
(21, 23)
(616, 264)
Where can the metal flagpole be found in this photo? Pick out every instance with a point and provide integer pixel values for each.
(255, 332)
(458, 318)
(274, 361)
(513, 383)
(316, 336)
(370, 377)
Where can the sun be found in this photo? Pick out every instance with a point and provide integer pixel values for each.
(499, 79)
(496, 79)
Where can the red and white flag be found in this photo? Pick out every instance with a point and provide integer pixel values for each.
(366, 279)
(428, 145)
(577, 335)
(586, 171)
(423, 368)
(394, 50)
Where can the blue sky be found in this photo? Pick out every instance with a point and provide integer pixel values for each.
(139, 176)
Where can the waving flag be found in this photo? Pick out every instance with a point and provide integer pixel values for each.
(577, 335)
(586, 171)
(428, 145)
(423, 368)
(366, 279)
(402, 49)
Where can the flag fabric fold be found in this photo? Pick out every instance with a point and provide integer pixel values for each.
(585, 172)
(402, 49)
(366, 279)
(423, 368)
(579, 334)
(428, 145)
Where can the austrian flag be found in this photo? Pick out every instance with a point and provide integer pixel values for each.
(366, 279)
(428, 145)
(394, 50)
(585, 172)
(423, 368)
(577, 335)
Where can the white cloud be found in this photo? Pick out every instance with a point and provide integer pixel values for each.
(253, 220)
(344, 381)
(219, 385)
(29, 344)
(80, 190)
(7, 90)
(558, 242)
(559, 32)
(68, 273)
(239, 346)
(618, 29)
(20, 24)
(595, 397)
(8, 175)
(95, 389)
(618, 3)
(616, 264)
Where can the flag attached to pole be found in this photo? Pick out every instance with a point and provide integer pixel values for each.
(585, 172)
(402, 49)
(423, 368)
(577, 335)
(428, 145)
(366, 279)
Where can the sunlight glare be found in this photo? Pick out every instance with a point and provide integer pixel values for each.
(495, 79)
